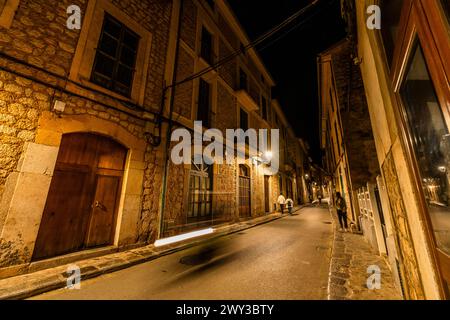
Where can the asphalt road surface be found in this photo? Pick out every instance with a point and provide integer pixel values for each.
(284, 259)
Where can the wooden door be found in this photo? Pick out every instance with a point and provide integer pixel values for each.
(244, 192)
(103, 211)
(82, 202)
(266, 193)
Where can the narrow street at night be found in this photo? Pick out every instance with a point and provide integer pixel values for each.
(197, 151)
(284, 259)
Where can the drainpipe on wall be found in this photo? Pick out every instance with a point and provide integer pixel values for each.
(169, 126)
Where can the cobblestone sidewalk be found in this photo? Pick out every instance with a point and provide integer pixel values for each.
(351, 256)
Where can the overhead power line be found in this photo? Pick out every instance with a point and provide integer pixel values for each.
(252, 44)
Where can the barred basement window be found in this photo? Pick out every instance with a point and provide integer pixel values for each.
(115, 59)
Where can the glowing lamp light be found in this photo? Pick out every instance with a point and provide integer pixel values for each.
(268, 155)
(442, 169)
(184, 236)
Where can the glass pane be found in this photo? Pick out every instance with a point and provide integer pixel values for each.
(431, 140)
(104, 65)
(130, 39)
(127, 56)
(112, 28)
(390, 19)
(108, 45)
(124, 75)
(446, 6)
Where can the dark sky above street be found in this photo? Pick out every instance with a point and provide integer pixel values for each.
(292, 59)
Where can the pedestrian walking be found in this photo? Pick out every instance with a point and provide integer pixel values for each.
(282, 202)
(341, 208)
(290, 205)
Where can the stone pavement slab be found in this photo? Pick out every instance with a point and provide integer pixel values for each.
(351, 257)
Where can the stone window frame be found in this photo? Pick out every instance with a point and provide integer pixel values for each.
(7, 12)
(83, 60)
(203, 23)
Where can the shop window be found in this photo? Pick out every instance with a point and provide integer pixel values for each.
(115, 57)
(431, 143)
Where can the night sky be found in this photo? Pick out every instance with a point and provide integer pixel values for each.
(292, 59)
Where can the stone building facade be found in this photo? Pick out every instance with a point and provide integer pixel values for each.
(238, 96)
(406, 84)
(346, 132)
(86, 117)
(44, 64)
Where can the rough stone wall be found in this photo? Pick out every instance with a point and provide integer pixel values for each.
(21, 103)
(225, 192)
(357, 128)
(153, 15)
(412, 284)
(228, 33)
(189, 23)
(227, 71)
(226, 115)
(175, 213)
(148, 223)
(183, 92)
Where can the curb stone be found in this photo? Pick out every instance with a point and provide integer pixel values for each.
(350, 257)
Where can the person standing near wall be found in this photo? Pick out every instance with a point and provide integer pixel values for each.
(341, 208)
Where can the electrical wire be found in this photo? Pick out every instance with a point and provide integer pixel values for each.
(252, 44)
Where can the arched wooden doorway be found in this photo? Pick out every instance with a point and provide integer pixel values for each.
(82, 203)
(244, 192)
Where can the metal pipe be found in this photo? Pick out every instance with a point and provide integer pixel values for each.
(169, 127)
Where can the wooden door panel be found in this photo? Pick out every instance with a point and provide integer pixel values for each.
(103, 211)
(111, 155)
(266, 193)
(89, 167)
(79, 148)
(244, 196)
(65, 215)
